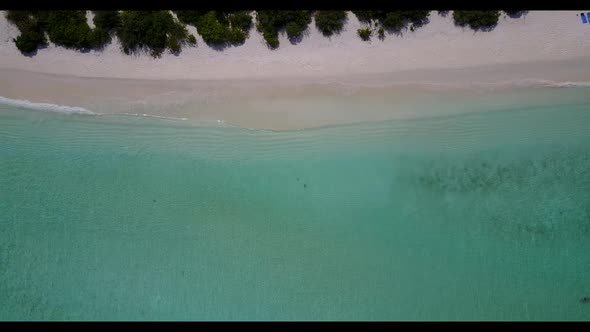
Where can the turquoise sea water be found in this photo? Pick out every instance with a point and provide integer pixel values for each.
(479, 216)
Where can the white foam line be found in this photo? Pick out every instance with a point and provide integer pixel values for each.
(153, 116)
(44, 106)
(529, 82)
(549, 83)
(570, 84)
(68, 109)
(532, 83)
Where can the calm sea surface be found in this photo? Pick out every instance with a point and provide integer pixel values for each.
(475, 216)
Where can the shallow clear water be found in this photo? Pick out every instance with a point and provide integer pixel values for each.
(481, 216)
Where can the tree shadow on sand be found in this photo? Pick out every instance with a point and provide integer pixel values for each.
(516, 13)
(408, 25)
(219, 47)
(479, 28)
(420, 23)
(487, 28)
(34, 53)
(297, 39)
(334, 32)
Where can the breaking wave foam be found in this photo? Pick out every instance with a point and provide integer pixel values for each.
(45, 106)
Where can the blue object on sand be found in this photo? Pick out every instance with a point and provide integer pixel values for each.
(584, 20)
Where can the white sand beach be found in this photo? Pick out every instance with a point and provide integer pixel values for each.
(254, 86)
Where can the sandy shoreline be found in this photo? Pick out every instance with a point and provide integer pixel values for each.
(253, 86)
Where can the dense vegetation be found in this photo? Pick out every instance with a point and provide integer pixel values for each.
(393, 21)
(107, 20)
(476, 19)
(32, 35)
(106, 23)
(219, 28)
(271, 22)
(67, 28)
(330, 22)
(365, 33)
(153, 30)
(156, 31)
